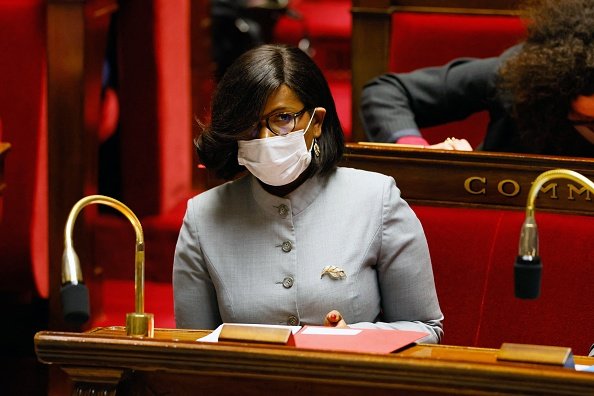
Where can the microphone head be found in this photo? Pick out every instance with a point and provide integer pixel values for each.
(527, 274)
(75, 303)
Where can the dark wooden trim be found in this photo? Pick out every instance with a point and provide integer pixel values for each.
(370, 56)
(474, 179)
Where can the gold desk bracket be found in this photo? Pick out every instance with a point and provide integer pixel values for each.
(256, 334)
(539, 354)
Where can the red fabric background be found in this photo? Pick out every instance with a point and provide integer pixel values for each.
(23, 110)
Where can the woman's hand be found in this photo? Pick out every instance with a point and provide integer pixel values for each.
(334, 319)
(452, 144)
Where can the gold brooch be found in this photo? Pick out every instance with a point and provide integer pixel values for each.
(333, 272)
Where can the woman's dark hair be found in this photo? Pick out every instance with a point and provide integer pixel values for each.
(242, 93)
(553, 67)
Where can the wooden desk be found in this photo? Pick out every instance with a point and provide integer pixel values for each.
(474, 179)
(105, 360)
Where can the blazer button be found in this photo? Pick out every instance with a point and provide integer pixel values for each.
(283, 210)
(288, 282)
(286, 246)
(292, 321)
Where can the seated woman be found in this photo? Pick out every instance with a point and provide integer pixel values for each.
(295, 240)
(539, 94)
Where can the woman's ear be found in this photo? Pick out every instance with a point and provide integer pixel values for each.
(318, 120)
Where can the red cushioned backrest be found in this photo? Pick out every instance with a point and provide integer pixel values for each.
(341, 92)
(23, 229)
(330, 19)
(432, 39)
(155, 104)
(460, 242)
(473, 253)
(563, 315)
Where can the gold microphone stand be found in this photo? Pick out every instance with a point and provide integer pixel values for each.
(527, 273)
(138, 323)
(528, 265)
(550, 175)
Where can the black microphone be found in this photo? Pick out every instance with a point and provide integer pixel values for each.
(528, 267)
(75, 303)
(527, 275)
(74, 293)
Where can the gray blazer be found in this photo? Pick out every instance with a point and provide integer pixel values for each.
(246, 256)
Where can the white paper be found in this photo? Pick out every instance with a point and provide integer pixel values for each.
(583, 367)
(331, 331)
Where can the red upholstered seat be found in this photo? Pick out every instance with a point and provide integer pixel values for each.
(327, 19)
(155, 117)
(23, 110)
(563, 315)
(341, 91)
(473, 253)
(328, 26)
(433, 39)
(459, 240)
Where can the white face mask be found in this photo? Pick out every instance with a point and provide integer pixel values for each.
(277, 160)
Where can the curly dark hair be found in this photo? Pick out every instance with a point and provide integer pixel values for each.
(241, 95)
(553, 67)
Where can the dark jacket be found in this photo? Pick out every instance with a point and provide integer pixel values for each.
(394, 105)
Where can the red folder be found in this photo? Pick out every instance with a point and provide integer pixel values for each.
(355, 340)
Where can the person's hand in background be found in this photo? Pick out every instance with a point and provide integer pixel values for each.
(452, 144)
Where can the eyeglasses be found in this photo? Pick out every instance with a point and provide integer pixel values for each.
(281, 124)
